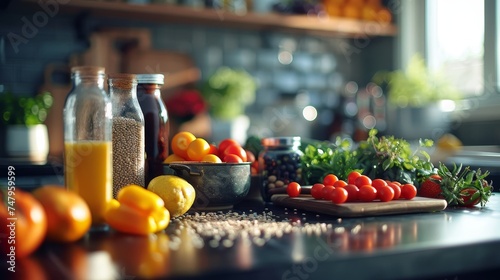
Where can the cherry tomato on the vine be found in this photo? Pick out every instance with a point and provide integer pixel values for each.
(293, 189)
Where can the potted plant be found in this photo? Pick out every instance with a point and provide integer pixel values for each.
(228, 92)
(419, 101)
(22, 123)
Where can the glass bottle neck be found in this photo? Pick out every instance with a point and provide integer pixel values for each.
(97, 80)
(153, 89)
(123, 87)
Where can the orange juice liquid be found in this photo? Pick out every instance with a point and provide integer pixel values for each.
(88, 172)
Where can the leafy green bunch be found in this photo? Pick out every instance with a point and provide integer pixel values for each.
(21, 110)
(228, 92)
(458, 184)
(322, 158)
(384, 157)
(391, 158)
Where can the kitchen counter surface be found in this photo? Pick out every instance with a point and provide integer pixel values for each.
(457, 243)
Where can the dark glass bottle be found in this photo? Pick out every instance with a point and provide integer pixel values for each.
(156, 123)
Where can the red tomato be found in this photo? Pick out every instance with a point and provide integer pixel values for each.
(362, 180)
(367, 193)
(226, 143)
(339, 195)
(397, 190)
(376, 183)
(467, 195)
(316, 191)
(408, 191)
(352, 191)
(232, 159)
(235, 149)
(326, 192)
(250, 156)
(330, 179)
(254, 167)
(293, 189)
(351, 178)
(385, 193)
(340, 184)
(213, 150)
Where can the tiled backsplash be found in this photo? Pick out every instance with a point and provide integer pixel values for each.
(283, 64)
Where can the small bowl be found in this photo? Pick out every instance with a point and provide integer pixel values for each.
(218, 185)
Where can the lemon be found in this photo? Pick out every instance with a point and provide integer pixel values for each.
(177, 193)
(449, 142)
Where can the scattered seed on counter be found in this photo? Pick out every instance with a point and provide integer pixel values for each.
(219, 229)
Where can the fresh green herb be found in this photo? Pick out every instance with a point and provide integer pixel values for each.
(464, 186)
(17, 110)
(228, 91)
(322, 158)
(390, 158)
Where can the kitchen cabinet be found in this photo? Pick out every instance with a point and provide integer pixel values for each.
(168, 13)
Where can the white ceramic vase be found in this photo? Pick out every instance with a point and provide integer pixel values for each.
(29, 143)
(235, 129)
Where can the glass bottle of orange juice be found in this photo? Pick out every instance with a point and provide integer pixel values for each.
(87, 140)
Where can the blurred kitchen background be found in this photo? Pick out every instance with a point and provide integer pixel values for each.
(321, 69)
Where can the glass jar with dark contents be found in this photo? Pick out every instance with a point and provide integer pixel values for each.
(279, 164)
(156, 123)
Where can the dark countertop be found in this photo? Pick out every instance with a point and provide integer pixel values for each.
(457, 243)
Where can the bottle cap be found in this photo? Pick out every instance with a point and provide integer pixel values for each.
(280, 141)
(150, 79)
(87, 70)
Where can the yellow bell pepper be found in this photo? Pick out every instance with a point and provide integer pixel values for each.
(137, 211)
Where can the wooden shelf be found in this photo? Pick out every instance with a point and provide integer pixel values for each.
(326, 26)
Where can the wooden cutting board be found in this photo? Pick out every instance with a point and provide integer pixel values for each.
(360, 209)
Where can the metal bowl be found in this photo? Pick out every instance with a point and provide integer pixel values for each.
(217, 185)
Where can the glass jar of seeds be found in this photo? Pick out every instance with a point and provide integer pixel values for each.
(279, 164)
(128, 132)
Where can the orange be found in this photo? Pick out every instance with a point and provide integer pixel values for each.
(173, 158)
(68, 215)
(30, 223)
(197, 149)
(180, 143)
(384, 15)
(351, 11)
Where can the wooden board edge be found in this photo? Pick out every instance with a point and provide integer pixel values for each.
(328, 208)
